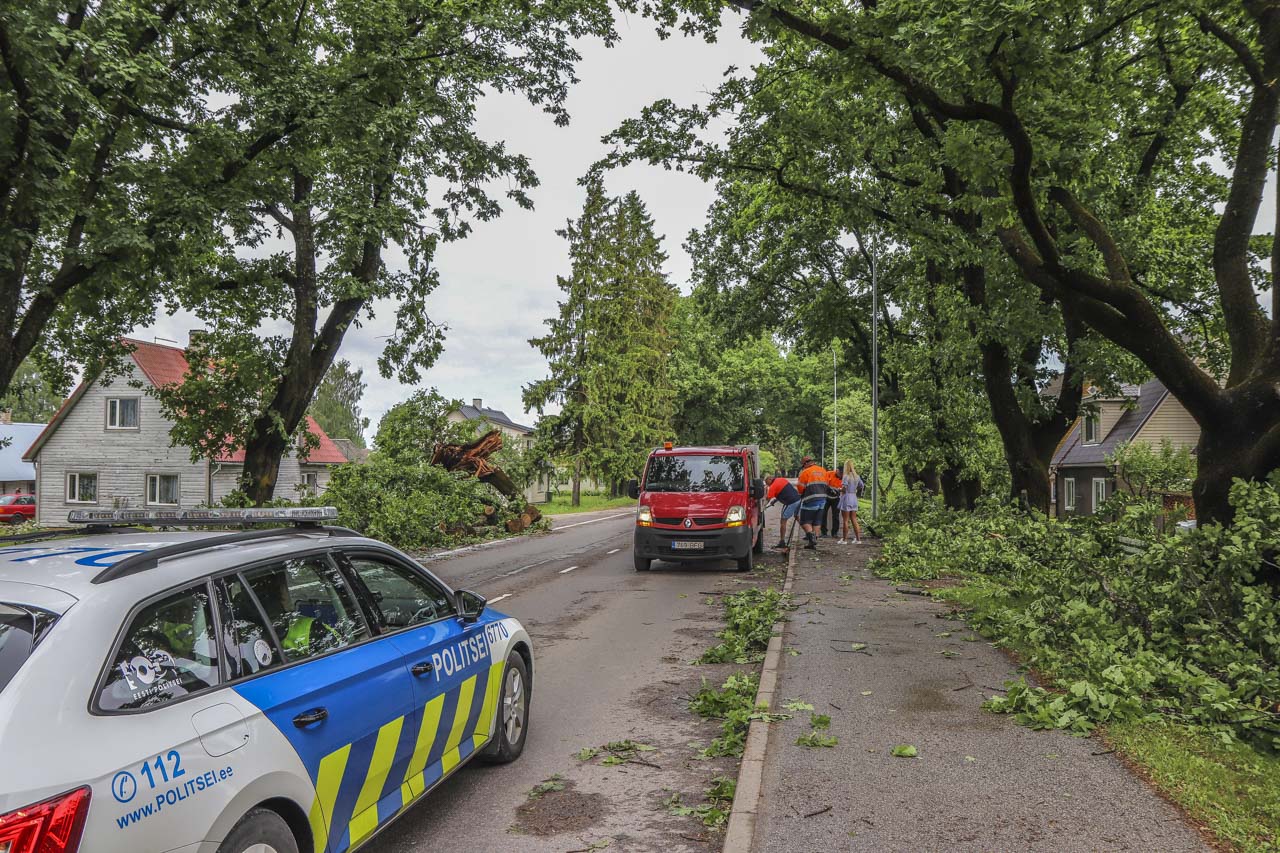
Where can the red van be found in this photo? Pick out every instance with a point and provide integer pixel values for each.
(700, 503)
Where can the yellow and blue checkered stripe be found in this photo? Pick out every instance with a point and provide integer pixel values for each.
(362, 785)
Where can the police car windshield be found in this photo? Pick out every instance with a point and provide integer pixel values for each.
(694, 474)
(20, 630)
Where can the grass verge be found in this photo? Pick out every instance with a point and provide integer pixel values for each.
(560, 504)
(1232, 789)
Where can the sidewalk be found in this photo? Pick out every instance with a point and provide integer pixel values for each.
(981, 782)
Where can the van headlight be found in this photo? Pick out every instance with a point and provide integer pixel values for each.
(737, 515)
(644, 517)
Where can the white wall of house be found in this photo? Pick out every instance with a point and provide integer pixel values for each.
(119, 459)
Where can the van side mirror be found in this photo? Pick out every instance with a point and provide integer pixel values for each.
(757, 489)
(470, 605)
(633, 488)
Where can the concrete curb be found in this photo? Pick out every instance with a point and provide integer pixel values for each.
(742, 817)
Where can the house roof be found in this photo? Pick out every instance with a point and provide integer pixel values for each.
(166, 365)
(497, 417)
(1072, 452)
(16, 439)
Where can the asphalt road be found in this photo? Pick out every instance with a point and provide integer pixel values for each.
(611, 651)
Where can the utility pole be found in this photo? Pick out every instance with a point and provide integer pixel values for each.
(875, 388)
(835, 411)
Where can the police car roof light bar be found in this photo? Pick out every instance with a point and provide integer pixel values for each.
(136, 563)
(301, 516)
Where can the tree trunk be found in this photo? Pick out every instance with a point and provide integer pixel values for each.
(926, 477)
(577, 483)
(262, 463)
(959, 491)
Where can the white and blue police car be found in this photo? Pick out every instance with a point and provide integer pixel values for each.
(266, 690)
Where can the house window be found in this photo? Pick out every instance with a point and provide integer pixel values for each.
(1068, 493)
(122, 413)
(1099, 492)
(1053, 488)
(162, 489)
(82, 487)
(310, 482)
(1091, 429)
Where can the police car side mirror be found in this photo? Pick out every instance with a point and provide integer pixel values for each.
(633, 488)
(757, 489)
(470, 605)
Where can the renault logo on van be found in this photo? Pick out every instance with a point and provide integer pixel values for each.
(688, 522)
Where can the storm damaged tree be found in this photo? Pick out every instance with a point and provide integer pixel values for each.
(395, 164)
(1090, 130)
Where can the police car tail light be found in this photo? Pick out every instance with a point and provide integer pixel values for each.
(52, 826)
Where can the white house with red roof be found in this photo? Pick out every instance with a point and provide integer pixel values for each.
(108, 447)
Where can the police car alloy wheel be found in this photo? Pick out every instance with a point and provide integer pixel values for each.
(261, 831)
(513, 714)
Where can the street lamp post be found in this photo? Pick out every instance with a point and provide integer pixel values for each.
(875, 388)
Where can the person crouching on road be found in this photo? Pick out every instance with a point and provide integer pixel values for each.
(781, 491)
(831, 512)
(851, 487)
(813, 499)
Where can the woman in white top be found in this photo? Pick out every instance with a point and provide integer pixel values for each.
(851, 484)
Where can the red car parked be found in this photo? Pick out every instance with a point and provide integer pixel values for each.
(15, 509)
(700, 503)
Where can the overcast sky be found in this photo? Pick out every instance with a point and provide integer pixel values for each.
(499, 284)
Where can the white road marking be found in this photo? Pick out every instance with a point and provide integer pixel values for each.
(566, 571)
(499, 598)
(614, 551)
(592, 521)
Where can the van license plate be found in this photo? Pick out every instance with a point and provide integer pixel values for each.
(695, 545)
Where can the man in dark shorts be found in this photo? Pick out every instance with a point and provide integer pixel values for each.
(782, 492)
(813, 499)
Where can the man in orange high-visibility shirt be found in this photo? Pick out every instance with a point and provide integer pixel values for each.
(813, 499)
(832, 510)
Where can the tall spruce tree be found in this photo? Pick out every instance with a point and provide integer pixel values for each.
(609, 344)
(336, 406)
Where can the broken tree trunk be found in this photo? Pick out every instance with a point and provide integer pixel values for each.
(473, 458)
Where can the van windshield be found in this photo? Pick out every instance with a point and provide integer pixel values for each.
(20, 630)
(694, 474)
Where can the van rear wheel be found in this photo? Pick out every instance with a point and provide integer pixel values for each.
(758, 546)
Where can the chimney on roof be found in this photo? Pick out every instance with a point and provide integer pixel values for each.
(6, 417)
(194, 336)
(477, 402)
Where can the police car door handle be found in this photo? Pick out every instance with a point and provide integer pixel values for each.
(306, 718)
(421, 668)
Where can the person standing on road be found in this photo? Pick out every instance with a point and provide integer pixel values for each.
(851, 486)
(782, 492)
(813, 499)
(831, 512)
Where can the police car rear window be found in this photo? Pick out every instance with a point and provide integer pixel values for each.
(168, 652)
(21, 629)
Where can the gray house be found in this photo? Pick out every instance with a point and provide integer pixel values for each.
(109, 447)
(1080, 477)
